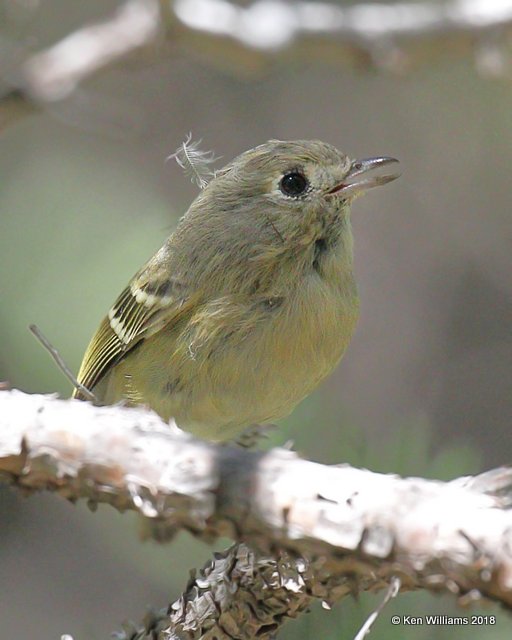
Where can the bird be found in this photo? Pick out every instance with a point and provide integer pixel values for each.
(250, 302)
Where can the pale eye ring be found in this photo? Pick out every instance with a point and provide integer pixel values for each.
(293, 184)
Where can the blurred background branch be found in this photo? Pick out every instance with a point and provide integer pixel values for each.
(247, 37)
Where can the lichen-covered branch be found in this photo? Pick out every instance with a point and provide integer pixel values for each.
(454, 536)
(250, 37)
(241, 594)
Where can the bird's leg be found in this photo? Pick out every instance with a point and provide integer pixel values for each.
(253, 434)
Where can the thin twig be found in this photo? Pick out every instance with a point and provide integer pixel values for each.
(393, 589)
(61, 364)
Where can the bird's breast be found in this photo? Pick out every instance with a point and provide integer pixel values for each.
(271, 357)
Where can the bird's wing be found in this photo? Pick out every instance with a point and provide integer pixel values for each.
(152, 300)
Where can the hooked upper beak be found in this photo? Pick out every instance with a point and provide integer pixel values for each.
(355, 183)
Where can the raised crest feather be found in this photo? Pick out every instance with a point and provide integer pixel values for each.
(194, 161)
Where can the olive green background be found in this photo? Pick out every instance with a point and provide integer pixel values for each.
(425, 388)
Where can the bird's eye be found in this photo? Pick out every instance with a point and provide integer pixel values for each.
(293, 184)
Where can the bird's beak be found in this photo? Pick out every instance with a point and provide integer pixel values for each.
(356, 182)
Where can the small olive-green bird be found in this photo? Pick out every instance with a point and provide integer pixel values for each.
(250, 303)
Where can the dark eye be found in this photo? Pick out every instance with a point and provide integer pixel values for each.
(293, 184)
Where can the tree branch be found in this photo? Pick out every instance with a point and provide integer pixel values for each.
(388, 35)
(244, 595)
(249, 38)
(53, 74)
(352, 529)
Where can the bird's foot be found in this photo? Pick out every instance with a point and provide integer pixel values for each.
(253, 434)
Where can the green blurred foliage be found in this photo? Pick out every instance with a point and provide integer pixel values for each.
(66, 255)
(407, 449)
